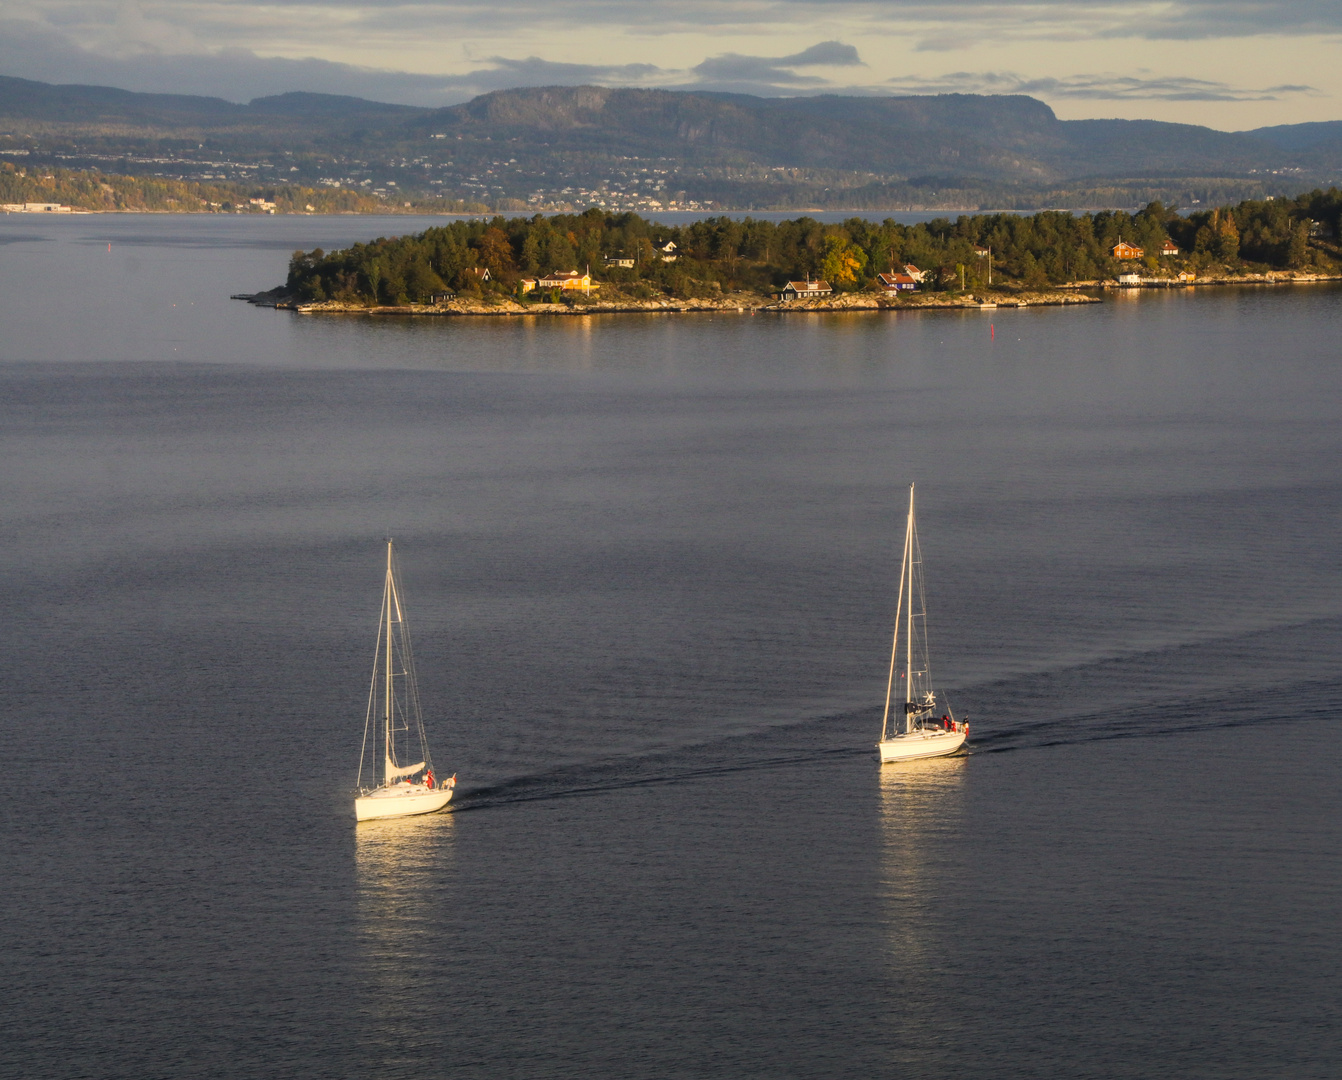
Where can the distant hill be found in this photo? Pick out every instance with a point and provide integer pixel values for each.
(1325, 136)
(986, 137)
(639, 149)
(27, 99)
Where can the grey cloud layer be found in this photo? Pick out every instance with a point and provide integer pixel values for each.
(776, 71)
(1102, 87)
(151, 48)
(31, 51)
(940, 23)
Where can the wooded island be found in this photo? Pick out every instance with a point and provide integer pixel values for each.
(598, 257)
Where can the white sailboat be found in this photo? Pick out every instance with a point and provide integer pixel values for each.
(921, 734)
(394, 694)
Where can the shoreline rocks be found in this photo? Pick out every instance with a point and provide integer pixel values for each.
(1077, 292)
(738, 303)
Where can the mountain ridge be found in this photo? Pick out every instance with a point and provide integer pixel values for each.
(588, 141)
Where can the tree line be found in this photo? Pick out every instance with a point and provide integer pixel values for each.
(724, 254)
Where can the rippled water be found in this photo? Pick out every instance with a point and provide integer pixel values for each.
(650, 568)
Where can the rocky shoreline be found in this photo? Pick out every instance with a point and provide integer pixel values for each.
(734, 303)
(1077, 292)
(1258, 277)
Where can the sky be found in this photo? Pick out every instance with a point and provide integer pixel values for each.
(1228, 64)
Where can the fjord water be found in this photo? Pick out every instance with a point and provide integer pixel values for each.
(649, 564)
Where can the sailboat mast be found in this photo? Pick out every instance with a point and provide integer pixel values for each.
(386, 602)
(894, 645)
(908, 637)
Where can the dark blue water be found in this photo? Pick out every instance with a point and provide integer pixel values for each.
(650, 568)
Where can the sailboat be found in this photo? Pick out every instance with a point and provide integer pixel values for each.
(393, 701)
(917, 730)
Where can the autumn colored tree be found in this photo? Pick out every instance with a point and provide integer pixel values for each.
(843, 261)
(496, 251)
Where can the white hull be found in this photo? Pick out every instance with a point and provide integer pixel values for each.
(921, 744)
(400, 800)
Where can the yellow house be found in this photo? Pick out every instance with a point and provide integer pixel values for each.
(566, 279)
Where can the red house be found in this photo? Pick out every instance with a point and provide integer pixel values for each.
(895, 283)
(1124, 250)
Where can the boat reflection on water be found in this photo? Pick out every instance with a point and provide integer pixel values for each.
(922, 821)
(403, 874)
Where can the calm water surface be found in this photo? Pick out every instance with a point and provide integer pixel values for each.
(650, 565)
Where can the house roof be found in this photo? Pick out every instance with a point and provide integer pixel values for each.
(809, 286)
(563, 275)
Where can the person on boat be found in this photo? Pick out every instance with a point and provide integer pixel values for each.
(428, 778)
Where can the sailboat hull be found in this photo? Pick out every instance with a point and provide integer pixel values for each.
(400, 800)
(921, 744)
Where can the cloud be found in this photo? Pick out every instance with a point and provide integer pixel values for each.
(32, 51)
(1100, 87)
(1188, 20)
(772, 74)
(35, 51)
(946, 43)
(505, 73)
